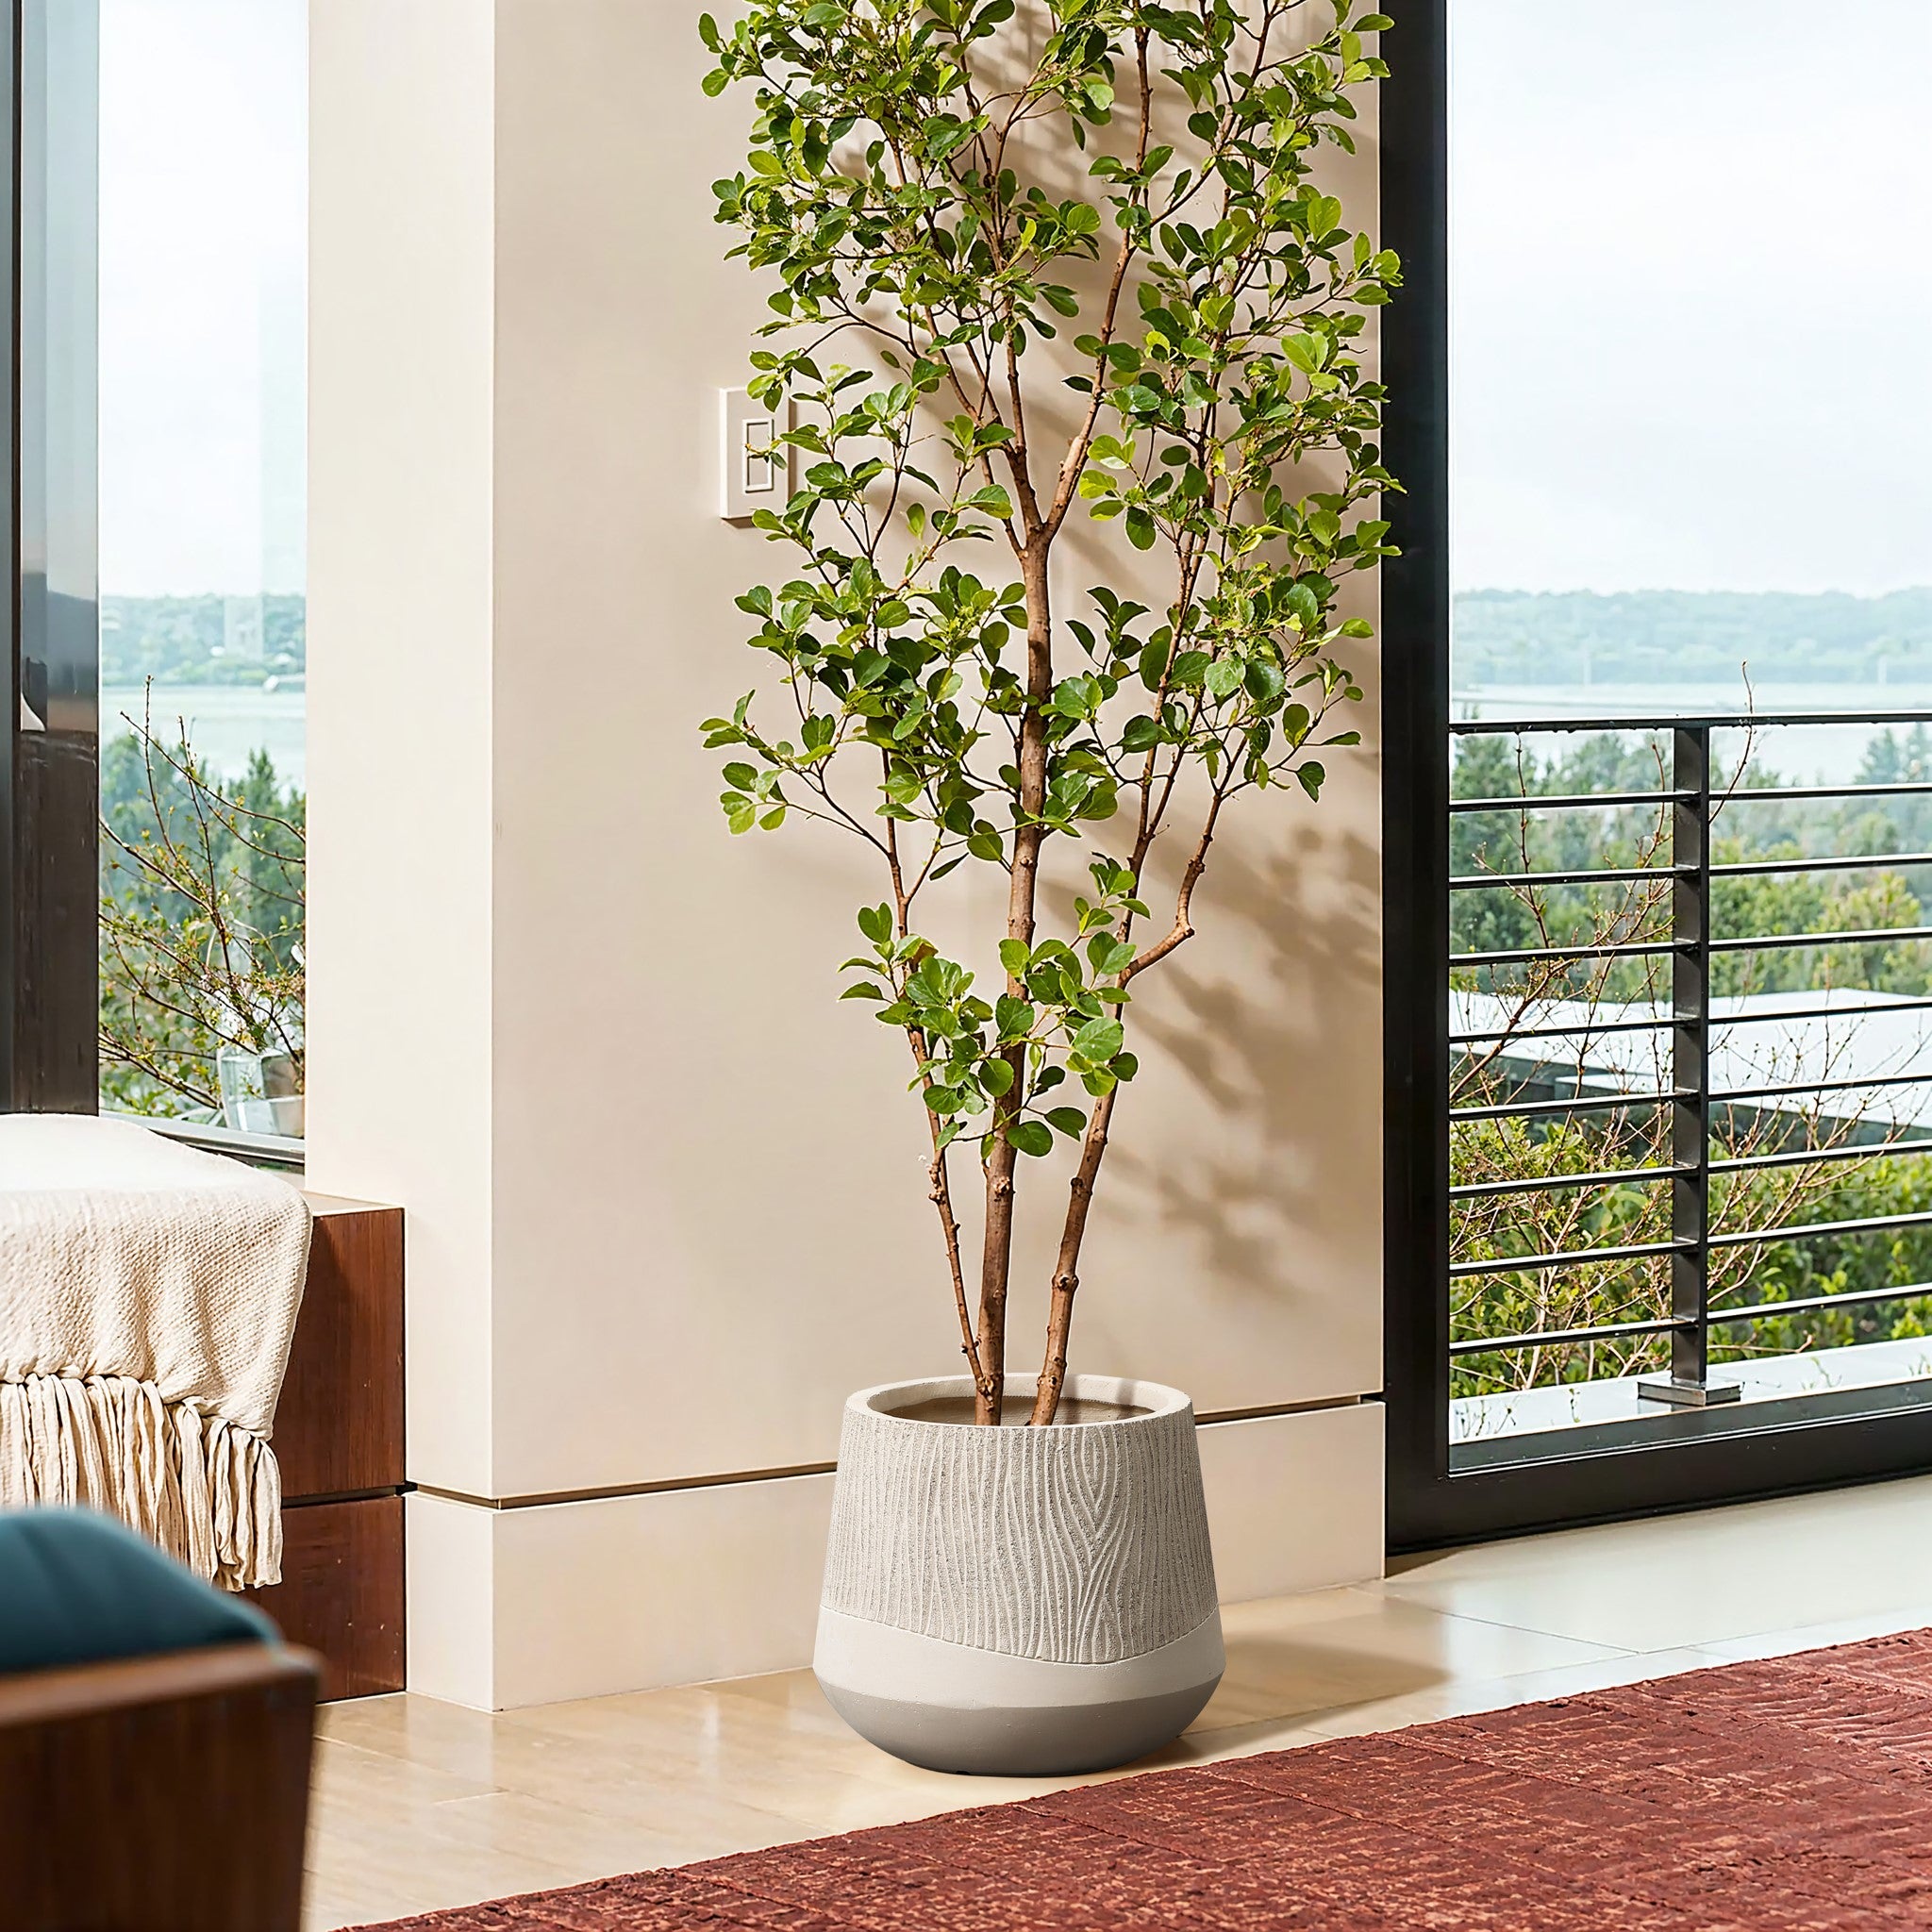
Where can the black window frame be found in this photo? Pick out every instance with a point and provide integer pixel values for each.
(1428, 1503)
(50, 610)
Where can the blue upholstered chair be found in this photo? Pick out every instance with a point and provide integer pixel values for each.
(79, 1588)
(155, 1739)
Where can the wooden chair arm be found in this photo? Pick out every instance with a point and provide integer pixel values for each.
(74, 1690)
(157, 1793)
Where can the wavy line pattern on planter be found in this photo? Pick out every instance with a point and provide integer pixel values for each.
(1075, 1544)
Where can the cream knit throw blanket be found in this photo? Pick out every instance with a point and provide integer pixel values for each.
(147, 1297)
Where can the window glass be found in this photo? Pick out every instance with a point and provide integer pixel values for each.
(1690, 299)
(203, 254)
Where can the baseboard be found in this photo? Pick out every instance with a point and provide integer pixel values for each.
(532, 1604)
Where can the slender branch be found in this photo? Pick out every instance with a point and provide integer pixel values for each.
(940, 1183)
(1066, 1276)
(1183, 927)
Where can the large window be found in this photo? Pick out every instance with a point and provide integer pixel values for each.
(203, 244)
(1664, 1191)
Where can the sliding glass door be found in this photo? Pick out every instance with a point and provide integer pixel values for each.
(1659, 737)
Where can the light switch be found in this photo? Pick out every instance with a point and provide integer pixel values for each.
(753, 475)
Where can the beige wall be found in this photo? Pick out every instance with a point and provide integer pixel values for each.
(665, 1196)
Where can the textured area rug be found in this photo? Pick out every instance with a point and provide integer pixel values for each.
(1793, 1796)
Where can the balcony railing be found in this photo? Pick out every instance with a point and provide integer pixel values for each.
(1674, 927)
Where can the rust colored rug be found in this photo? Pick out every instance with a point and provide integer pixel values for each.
(1793, 1796)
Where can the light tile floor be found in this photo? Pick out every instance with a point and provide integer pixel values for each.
(420, 1805)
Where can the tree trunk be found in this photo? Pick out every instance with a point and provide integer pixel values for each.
(996, 1257)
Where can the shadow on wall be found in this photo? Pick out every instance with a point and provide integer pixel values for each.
(1293, 1124)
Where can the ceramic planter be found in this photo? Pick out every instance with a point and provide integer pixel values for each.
(1015, 1600)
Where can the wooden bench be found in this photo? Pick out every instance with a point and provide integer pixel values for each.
(339, 1438)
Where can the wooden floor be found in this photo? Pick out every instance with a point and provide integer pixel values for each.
(422, 1805)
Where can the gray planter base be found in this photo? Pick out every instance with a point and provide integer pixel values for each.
(1029, 1742)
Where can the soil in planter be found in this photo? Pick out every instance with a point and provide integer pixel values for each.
(959, 1408)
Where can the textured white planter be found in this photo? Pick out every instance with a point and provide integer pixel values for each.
(1017, 1599)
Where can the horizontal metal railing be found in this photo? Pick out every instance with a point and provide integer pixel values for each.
(1643, 1251)
(1607, 1331)
(1638, 1176)
(1575, 1258)
(1673, 920)
(1701, 722)
(1812, 1304)
(1804, 941)
(1806, 1157)
(1588, 1028)
(1576, 1103)
(1666, 1324)
(1575, 800)
(1605, 949)
(1542, 1183)
(1742, 869)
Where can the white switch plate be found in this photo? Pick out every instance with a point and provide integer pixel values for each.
(749, 479)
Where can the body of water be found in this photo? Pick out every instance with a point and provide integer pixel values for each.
(1801, 754)
(224, 724)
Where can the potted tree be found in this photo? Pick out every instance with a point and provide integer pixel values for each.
(1068, 260)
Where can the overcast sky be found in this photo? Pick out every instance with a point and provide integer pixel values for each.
(1691, 293)
(1692, 271)
(204, 210)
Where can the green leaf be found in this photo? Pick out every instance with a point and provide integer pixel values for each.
(1304, 350)
(876, 922)
(1014, 954)
(1099, 1040)
(1310, 776)
(1068, 1119)
(996, 1077)
(1032, 1137)
(1224, 677)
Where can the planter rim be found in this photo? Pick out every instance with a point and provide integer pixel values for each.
(1154, 1399)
